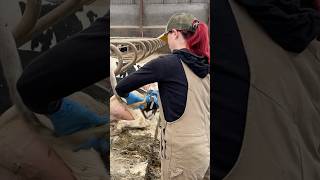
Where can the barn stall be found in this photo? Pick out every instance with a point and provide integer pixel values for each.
(134, 28)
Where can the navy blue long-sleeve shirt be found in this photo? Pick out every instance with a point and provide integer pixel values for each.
(172, 82)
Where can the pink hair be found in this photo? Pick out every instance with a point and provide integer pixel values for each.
(198, 43)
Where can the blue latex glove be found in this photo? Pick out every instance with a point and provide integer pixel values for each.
(132, 98)
(154, 95)
(73, 117)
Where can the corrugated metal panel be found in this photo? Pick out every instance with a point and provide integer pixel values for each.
(165, 1)
(124, 15)
(152, 15)
(125, 18)
(200, 1)
(123, 1)
(154, 2)
(174, 1)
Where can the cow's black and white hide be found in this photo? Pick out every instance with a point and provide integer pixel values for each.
(120, 111)
(61, 30)
(130, 70)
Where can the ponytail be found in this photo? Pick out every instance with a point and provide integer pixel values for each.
(198, 43)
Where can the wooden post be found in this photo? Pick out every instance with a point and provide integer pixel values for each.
(141, 14)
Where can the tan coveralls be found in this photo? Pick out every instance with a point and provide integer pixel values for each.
(185, 143)
(282, 132)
